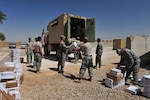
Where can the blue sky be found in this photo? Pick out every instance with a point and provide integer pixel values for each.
(114, 18)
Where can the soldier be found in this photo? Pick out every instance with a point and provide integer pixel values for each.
(28, 50)
(87, 60)
(62, 54)
(99, 51)
(38, 54)
(131, 61)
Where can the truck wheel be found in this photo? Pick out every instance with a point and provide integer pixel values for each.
(46, 52)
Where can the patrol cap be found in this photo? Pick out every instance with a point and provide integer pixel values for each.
(39, 38)
(62, 36)
(118, 51)
(98, 39)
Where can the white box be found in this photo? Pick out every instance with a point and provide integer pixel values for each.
(7, 75)
(15, 51)
(109, 82)
(146, 90)
(9, 64)
(114, 84)
(143, 79)
(17, 96)
(133, 89)
(15, 91)
(115, 71)
(2, 88)
(12, 91)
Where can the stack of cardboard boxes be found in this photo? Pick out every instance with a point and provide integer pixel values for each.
(11, 76)
(114, 78)
(145, 82)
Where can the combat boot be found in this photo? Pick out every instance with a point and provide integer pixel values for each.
(61, 71)
(58, 68)
(90, 79)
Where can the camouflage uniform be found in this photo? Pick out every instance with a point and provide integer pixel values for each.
(37, 55)
(62, 56)
(29, 52)
(86, 61)
(99, 51)
(132, 63)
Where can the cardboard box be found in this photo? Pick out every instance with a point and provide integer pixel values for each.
(114, 84)
(6, 96)
(11, 84)
(114, 77)
(3, 69)
(21, 59)
(119, 43)
(15, 93)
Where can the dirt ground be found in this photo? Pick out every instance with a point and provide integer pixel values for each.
(49, 85)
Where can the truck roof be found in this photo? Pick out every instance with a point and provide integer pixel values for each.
(71, 15)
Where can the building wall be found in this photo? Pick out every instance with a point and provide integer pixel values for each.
(4, 44)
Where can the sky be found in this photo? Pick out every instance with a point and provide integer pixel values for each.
(115, 19)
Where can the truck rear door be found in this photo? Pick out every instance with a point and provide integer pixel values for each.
(90, 29)
(68, 28)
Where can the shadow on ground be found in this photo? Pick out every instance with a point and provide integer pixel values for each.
(70, 76)
(53, 69)
(31, 70)
(73, 77)
(30, 66)
(102, 82)
(51, 57)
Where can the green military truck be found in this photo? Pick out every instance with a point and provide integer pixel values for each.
(71, 26)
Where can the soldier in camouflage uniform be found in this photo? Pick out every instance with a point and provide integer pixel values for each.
(62, 54)
(87, 60)
(38, 54)
(131, 61)
(29, 50)
(99, 51)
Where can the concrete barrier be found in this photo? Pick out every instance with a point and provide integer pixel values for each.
(137, 44)
(119, 43)
(141, 46)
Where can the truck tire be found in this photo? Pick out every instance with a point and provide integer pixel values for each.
(46, 52)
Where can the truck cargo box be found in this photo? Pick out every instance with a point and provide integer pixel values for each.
(71, 26)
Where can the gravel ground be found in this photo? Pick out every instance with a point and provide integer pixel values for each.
(49, 85)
